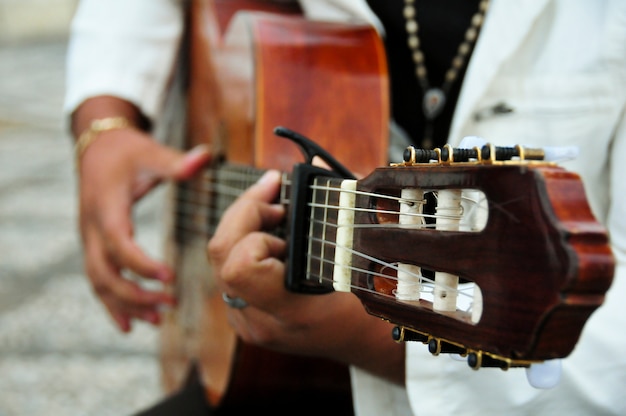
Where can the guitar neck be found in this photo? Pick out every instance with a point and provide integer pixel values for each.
(202, 201)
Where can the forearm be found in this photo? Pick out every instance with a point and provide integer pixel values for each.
(352, 336)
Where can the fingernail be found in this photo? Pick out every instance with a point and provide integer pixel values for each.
(197, 150)
(163, 275)
(269, 177)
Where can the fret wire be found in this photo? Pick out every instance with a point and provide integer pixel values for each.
(194, 229)
(324, 228)
(230, 174)
(309, 246)
(321, 265)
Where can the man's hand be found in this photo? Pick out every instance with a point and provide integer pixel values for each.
(115, 171)
(249, 264)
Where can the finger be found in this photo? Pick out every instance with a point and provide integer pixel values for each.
(163, 163)
(128, 312)
(144, 305)
(124, 251)
(191, 162)
(109, 283)
(253, 266)
(123, 316)
(111, 229)
(122, 320)
(168, 163)
(251, 212)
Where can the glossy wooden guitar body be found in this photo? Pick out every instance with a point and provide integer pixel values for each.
(249, 72)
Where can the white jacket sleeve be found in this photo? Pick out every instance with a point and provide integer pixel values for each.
(342, 11)
(125, 49)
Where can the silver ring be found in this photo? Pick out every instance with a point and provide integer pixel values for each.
(235, 302)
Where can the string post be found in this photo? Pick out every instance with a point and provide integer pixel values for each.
(487, 153)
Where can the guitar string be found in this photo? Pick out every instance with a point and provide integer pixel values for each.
(191, 206)
(428, 288)
(393, 266)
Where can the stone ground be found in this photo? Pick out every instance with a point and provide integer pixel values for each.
(59, 352)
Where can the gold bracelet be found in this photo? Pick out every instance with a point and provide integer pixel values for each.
(96, 127)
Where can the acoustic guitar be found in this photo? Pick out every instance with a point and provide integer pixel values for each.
(491, 253)
(251, 66)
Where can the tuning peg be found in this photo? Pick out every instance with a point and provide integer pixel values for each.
(544, 375)
(402, 334)
(477, 360)
(437, 346)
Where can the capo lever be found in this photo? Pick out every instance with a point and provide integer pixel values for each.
(310, 149)
(298, 217)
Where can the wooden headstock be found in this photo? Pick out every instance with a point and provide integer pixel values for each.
(491, 253)
(540, 259)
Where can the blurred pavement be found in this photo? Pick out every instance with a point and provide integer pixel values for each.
(59, 352)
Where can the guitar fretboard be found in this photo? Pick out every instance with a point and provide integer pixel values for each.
(201, 202)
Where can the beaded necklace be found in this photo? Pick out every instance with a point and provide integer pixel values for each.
(434, 98)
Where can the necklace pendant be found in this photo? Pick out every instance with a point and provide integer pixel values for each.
(433, 102)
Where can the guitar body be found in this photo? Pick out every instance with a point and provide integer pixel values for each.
(254, 65)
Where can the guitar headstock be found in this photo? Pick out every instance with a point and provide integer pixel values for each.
(491, 253)
(500, 260)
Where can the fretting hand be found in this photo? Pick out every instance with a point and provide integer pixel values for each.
(249, 265)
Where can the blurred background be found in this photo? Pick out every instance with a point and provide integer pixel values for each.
(59, 352)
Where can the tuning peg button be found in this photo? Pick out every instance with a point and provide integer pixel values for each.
(544, 375)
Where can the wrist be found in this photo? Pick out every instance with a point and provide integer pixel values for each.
(93, 131)
(103, 106)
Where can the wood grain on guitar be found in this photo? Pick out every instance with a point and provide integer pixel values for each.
(254, 65)
(501, 261)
